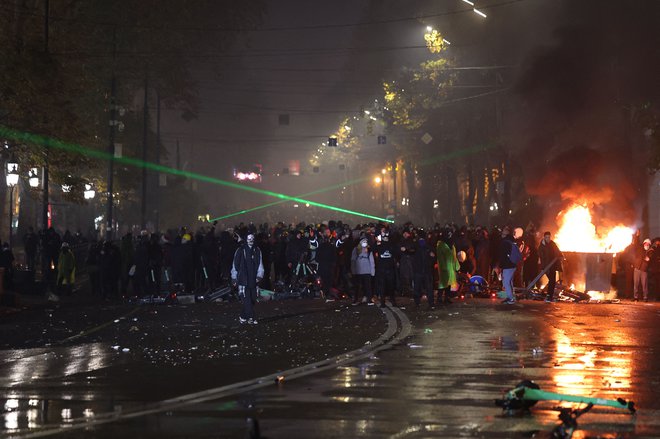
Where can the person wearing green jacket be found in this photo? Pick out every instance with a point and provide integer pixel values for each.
(447, 267)
(66, 270)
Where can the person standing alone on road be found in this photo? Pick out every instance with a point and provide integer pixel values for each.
(246, 273)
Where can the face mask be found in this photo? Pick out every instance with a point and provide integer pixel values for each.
(363, 244)
(250, 240)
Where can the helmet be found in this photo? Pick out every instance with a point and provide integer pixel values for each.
(462, 256)
(186, 237)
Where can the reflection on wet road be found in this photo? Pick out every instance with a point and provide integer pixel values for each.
(440, 383)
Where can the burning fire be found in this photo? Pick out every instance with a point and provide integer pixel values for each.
(577, 233)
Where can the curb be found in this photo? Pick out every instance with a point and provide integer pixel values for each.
(398, 328)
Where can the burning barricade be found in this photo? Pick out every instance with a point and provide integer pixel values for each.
(589, 256)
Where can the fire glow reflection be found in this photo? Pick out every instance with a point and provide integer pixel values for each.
(583, 368)
(577, 233)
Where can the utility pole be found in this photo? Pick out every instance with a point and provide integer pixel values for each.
(394, 194)
(44, 212)
(111, 144)
(144, 151)
(156, 194)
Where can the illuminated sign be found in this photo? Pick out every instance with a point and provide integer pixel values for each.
(253, 176)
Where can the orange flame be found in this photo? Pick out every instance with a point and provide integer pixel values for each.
(577, 233)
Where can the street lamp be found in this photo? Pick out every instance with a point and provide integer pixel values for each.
(33, 178)
(89, 193)
(12, 181)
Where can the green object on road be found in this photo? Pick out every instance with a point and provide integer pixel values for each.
(527, 393)
(428, 331)
(266, 293)
(542, 395)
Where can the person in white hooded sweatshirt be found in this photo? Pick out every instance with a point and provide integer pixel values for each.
(364, 269)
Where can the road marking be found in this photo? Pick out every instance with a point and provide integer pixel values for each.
(398, 329)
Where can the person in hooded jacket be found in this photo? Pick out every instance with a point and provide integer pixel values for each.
(364, 269)
(141, 262)
(422, 264)
(448, 267)
(66, 270)
(407, 249)
(326, 257)
(385, 257)
(110, 265)
(187, 254)
(127, 253)
(246, 273)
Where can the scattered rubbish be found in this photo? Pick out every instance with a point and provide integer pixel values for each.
(537, 351)
(135, 319)
(368, 342)
(116, 348)
(233, 346)
(116, 320)
(617, 320)
(279, 379)
(414, 346)
(125, 350)
(133, 329)
(428, 331)
(53, 297)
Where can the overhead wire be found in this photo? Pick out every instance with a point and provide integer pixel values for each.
(418, 17)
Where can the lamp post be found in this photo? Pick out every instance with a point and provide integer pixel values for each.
(380, 181)
(12, 181)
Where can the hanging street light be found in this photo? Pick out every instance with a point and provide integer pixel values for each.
(89, 193)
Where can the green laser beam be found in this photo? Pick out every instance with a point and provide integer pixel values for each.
(426, 162)
(79, 149)
(275, 203)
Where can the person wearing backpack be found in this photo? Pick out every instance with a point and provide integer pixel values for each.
(509, 257)
(549, 252)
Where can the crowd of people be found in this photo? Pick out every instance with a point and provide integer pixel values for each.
(366, 262)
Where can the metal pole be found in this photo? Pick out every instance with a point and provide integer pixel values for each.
(157, 186)
(11, 213)
(382, 194)
(46, 19)
(111, 144)
(44, 212)
(394, 188)
(144, 153)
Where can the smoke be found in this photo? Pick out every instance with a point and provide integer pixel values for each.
(578, 139)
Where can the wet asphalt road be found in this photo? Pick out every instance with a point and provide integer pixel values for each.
(440, 382)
